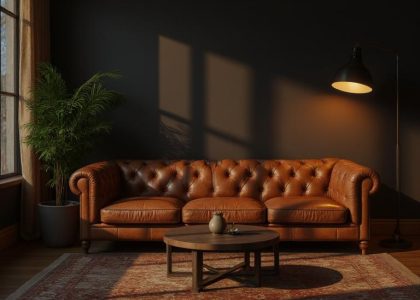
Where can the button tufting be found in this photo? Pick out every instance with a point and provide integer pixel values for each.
(227, 173)
(292, 173)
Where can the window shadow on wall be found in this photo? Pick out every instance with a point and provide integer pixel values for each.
(204, 103)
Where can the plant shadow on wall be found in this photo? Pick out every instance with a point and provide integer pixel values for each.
(174, 141)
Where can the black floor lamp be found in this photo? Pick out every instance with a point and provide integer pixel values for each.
(355, 78)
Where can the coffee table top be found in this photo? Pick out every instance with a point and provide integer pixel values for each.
(199, 237)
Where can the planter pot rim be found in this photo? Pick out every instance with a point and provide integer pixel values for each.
(52, 204)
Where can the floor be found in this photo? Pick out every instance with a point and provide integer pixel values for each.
(25, 259)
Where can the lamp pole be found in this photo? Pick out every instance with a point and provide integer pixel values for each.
(397, 233)
(397, 242)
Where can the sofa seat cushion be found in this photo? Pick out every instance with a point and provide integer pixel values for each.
(143, 210)
(235, 209)
(305, 210)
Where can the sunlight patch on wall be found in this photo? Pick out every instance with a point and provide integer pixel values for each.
(175, 77)
(175, 94)
(228, 97)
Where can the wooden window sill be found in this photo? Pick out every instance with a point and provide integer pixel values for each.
(10, 182)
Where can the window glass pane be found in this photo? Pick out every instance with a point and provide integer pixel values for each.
(8, 135)
(8, 43)
(9, 5)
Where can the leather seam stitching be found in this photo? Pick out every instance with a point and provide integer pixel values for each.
(239, 209)
(143, 209)
(308, 209)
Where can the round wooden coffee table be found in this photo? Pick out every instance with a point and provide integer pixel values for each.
(199, 239)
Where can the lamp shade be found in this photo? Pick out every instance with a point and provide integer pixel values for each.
(353, 77)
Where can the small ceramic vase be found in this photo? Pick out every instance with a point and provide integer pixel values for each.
(217, 223)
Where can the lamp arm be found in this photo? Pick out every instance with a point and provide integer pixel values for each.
(377, 46)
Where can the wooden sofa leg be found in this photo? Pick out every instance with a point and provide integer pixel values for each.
(86, 246)
(363, 245)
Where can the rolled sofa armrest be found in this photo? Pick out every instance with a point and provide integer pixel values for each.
(350, 185)
(97, 185)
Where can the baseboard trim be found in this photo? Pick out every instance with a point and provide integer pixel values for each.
(8, 236)
(379, 227)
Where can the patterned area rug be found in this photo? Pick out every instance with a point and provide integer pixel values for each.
(143, 276)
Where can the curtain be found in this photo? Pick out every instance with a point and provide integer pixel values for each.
(34, 48)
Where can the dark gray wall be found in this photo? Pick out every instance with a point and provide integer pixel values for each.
(250, 79)
(9, 206)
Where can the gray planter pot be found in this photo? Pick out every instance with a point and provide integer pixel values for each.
(59, 224)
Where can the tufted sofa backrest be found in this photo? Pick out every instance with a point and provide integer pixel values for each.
(261, 180)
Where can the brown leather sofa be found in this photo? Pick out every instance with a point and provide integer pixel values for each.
(304, 200)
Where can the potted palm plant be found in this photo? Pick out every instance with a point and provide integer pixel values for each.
(64, 127)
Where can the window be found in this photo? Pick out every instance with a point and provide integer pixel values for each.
(9, 89)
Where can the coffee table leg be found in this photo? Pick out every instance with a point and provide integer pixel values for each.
(168, 259)
(257, 267)
(197, 270)
(276, 258)
(246, 261)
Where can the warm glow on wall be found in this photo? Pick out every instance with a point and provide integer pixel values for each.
(355, 78)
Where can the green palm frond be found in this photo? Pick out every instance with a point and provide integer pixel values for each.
(65, 125)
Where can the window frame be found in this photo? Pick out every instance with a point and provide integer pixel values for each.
(16, 94)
